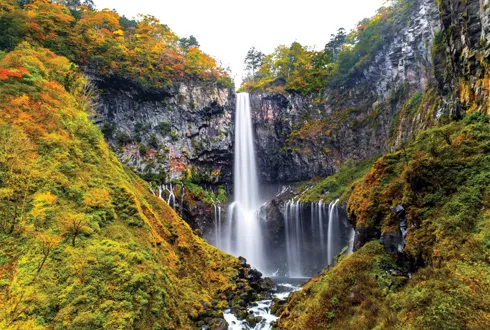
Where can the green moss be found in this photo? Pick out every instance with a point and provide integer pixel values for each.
(442, 179)
(338, 185)
(164, 128)
(84, 244)
(203, 195)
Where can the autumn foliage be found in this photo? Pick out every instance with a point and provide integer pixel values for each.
(84, 244)
(148, 53)
(442, 278)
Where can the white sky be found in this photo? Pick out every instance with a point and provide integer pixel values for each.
(226, 29)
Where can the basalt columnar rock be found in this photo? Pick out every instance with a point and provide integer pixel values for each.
(466, 42)
(174, 133)
(165, 132)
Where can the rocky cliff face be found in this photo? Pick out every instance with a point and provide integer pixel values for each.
(164, 133)
(182, 132)
(466, 43)
(299, 137)
(275, 117)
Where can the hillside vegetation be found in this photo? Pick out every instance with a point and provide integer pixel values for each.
(301, 69)
(442, 180)
(144, 51)
(85, 245)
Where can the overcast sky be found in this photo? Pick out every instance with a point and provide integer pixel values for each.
(226, 29)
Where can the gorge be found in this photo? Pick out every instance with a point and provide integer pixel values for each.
(343, 187)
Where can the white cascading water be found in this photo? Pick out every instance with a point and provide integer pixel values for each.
(171, 196)
(217, 225)
(182, 194)
(320, 228)
(293, 231)
(333, 230)
(352, 237)
(243, 236)
(313, 240)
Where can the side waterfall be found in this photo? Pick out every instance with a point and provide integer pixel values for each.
(333, 230)
(293, 230)
(312, 244)
(243, 236)
(217, 225)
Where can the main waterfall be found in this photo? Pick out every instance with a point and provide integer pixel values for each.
(243, 236)
(281, 238)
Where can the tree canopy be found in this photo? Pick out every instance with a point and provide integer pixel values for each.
(143, 50)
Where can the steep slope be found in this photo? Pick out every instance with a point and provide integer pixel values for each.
(466, 41)
(84, 244)
(431, 267)
(164, 106)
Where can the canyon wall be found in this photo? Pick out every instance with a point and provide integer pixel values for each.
(301, 136)
(165, 132)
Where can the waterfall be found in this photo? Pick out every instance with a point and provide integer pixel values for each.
(352, 237)
(314, 235)
(171, 195)
(217, 225)
(293, 232)
(321, 233)
(333, 230)
(182, 194)
(244, 236)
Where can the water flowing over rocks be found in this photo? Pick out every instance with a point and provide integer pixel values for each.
(250, 287)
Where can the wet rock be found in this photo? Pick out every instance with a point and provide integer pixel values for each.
(254, 275)
(253, 320)
(364, 235)
(278, 306)
(241, 314)
(214, 324)
(393, 242)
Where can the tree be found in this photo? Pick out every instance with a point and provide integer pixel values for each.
(187, 43)
(127, 23)
(73, 4)
(74, 224)
(14, 27)
(50, 25)
(48, 243)
(17, 170)
(334, 46)
(253, 60)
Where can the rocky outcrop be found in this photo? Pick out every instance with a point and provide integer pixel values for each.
(165, 132)
(466, 42)
(275, 117)
(299, 137)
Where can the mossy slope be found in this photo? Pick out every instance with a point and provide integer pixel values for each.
(84, 244)
(442, 179)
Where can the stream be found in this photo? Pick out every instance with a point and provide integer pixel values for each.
(283, 287)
